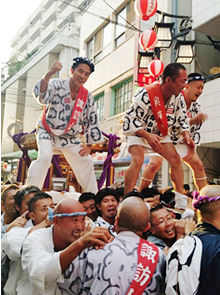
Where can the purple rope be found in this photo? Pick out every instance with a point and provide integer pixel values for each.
(108, 161)
(17, 139)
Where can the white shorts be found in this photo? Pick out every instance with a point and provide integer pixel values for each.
(181, 148)
(136, 140)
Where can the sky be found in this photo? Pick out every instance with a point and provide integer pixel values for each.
(13, 15)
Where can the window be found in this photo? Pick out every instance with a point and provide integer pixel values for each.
(100, 44)
(122, 96)
(123, 19)
(99, 99)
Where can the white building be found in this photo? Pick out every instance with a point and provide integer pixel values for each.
(107, 31)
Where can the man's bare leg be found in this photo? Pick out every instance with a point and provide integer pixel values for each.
(150, 171)
(170, 154)
(132, 173)
(195, 164)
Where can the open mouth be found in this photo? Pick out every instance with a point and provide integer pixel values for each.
(170, 231)
(76, 234)
(111, 211)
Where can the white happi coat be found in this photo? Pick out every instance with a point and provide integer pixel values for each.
(110, 270)
(194, 109)
(59, 104)
(103, 223)
(140, 116)
(11, 245)
(41, 264)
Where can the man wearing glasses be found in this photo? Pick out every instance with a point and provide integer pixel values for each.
(165, 230)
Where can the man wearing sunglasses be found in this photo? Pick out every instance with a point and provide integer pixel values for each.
(48, 252)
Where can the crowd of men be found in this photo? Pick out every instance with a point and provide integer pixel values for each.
(114, 241)
(124, 245)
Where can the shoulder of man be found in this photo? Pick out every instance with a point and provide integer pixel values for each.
(184, 264)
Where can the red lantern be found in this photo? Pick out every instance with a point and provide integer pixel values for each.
(156, 67)
(145, 8)
(148, 40)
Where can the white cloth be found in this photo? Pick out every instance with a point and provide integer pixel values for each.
(110, 270)
(140, 116)
(59, 108)
(136, 140)
(41, 264)
(11, 245)
(103, 223)
(182, 148)
(183, 266)
(194, 109)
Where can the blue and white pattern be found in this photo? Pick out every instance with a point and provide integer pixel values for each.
(140, 116)
(110, 271)
(59, 104)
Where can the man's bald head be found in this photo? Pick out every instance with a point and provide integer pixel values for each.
(210, 210)
(69, 206)
(133, 215)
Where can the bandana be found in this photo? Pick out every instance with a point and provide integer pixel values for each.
(51, 214)
(196, 78)
(199, 200)
(83, 60)
(158, 107)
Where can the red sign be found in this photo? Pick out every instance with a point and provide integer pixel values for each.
(144, 79)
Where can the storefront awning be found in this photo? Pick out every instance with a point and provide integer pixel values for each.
(122, 157)
(18, 154)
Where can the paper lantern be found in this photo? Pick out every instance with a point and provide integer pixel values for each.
(148, 40)
(145, 8)
(156, 68)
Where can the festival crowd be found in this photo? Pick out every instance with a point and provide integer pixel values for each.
(125, 240)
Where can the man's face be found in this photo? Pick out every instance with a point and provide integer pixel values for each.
(108, 207)
(163, 225)
(24, 203)
(72, 228)
(80, 74)
(90, 208)
(9, 204)
(179, 83)
(195, 89)
(40, 211)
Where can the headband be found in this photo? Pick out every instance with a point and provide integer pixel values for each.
(70, 214)
(199, 200)
(196, 78)
(83, 60)
(51, 215)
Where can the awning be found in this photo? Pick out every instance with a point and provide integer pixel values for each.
(18, 154)
(122, 157)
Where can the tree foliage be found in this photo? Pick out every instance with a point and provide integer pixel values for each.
(11, 67)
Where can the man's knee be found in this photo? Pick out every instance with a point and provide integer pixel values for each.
(174, 159)
(137, 156)
(196, 164)
(155, 163)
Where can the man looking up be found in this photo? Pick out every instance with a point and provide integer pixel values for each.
(153, 122)
(112, 270)
(68, 107)
(107, 202)
(191, 93)
(48, 252)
